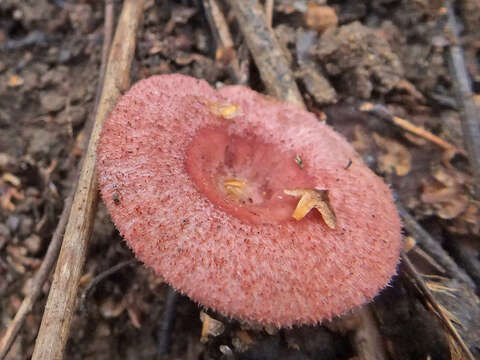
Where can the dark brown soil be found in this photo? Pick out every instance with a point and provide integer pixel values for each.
(383, 51)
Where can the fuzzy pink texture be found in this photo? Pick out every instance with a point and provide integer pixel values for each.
(162, 160)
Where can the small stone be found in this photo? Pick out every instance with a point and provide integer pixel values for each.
(54, 76)
(26, 227)
(30, 81)
(75, 116)
(52, 101)
(5, 160)
(4, 232)
(78, 93)
(320, 18)
(12, 222)
(33, 243)
(41, 142)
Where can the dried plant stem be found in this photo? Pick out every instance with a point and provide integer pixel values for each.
(269, 12)
(383, 113)
(433, 248)
(266, 51)
(464, 94)
(418, 280)
(223, 38)
(59, 309)
(54, 246)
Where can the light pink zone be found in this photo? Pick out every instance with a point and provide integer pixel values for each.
(283, 274)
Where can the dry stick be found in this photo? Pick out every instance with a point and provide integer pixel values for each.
(383, 113)
(280, 83)
(223, 38)
(412, 271)
(433, 248)
(269, 12)
(463, 92)
(266, 51)
(54, 246)
(59, 309)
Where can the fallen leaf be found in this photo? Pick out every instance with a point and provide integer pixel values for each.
(15, 81)
(397, 158)
(448, 202)
(468, 222)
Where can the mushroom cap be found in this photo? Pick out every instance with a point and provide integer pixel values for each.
(164, 157)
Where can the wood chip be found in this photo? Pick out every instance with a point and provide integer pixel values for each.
(225, 110)
(210, 327)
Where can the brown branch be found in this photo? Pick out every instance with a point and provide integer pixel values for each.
(383, 113)
(54, 246)
(266, 51)
(418, 280)
(464, 94)
(59, 309)
(433, 248)
(225, 46)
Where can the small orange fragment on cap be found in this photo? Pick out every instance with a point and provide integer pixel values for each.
(313, 198)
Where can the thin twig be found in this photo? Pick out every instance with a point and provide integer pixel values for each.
(464, 94)
(59, 309)
(54, 246)
(223, 38)
(99, 278)
(383, 113)
(266, 51)
(433, 248)
(269, 12)
(412, 271)
(167, 323)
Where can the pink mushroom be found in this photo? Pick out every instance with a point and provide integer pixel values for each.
(213, 191)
